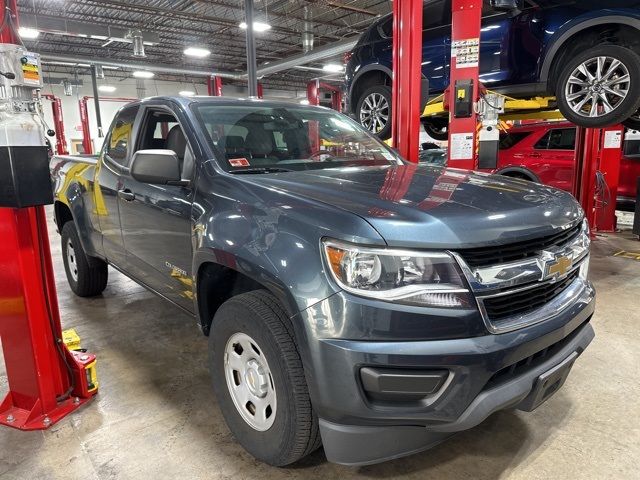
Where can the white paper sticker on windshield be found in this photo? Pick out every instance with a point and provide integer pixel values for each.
(461, 146)
(388, 155)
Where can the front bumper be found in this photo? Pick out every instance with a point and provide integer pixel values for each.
(487, 373)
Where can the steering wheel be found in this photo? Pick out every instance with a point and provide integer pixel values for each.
(318, 154)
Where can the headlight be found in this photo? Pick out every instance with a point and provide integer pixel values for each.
(413, 278)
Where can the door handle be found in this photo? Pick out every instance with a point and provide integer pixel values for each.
(127, 195)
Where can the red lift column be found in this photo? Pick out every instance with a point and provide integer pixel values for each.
(58, 123)
(407, 77)
(464, 82)
(214, 86)
(46, 380)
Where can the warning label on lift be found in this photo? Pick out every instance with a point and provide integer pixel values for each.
(30, 69)
(466, 52)
(461, 146)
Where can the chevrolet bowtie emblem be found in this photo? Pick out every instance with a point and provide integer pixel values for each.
(558, 267)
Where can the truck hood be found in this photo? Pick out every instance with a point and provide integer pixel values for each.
(423, 206)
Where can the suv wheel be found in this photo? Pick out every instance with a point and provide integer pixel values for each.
(373, 111)
(87, 276)
(259, 381)
(436, 128)
(600, 87)
(633, 122)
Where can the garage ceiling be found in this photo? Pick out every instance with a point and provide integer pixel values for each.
(213, 24)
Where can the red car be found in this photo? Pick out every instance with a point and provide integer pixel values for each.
(544, 152)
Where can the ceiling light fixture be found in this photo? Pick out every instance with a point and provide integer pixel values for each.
(107, 88)
(186, 93)
(257, 26)
(333, 68)
(28, 33)
(197, 52)
(143, 74)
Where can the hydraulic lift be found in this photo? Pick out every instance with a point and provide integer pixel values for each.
(58, 123)
(314, 89)
(474, 113)
(46, 380)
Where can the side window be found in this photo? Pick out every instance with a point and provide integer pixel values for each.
(119, 144)
(563, 139)
(160, 130)
(543, 143)
(510, 139)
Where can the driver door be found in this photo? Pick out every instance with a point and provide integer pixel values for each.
(156, 219)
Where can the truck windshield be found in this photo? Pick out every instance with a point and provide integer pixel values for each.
(260, 139)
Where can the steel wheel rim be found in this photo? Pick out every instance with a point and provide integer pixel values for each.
(72, 261)
(250, 381)
(598, 86)
(374, 112)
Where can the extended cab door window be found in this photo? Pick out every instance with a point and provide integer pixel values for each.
(117, 146)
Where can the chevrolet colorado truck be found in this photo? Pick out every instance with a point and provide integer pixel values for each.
(350, 299)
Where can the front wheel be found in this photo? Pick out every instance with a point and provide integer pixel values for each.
(259, 381)
(600, 86)
(373, 111)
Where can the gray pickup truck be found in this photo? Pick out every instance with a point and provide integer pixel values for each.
(351, 299)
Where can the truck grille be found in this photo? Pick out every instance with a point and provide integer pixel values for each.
(525, 301)
(487, 256)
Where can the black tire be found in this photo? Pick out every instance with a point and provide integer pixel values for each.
(294, 433)
(436, 128)
(633, 122)
(622, 108)
(384, 91)
(88, 276)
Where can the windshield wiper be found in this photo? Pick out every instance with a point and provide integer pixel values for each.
(262, 170)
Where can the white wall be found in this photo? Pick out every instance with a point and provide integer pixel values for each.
(127, 89)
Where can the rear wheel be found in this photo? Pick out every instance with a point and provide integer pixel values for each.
(259, 381)
(87, 276)
(373, 111)
(600, 86)
(436, 128)
(633, 122)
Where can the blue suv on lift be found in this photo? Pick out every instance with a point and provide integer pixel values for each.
(585, 53)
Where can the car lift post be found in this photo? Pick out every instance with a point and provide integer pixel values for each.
(314, 87)
(407, 77)
(464, 83)
(214, 86)
(58, 123)
(46, 380)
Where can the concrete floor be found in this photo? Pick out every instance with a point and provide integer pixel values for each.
(156, 417)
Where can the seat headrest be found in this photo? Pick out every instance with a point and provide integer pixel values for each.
(259, 142)
(176, 141)
(233, 141)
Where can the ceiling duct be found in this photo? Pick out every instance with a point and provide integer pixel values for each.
(307, 33)
(62, 26)
(138, 44)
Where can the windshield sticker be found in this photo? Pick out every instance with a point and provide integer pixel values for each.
(239, 162)
(388, 155)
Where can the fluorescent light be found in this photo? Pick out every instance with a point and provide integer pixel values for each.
(28, 33)
(143, 74)
(332, 67)
(187, 93)
(257, 26)
(196, 52)
(304, 101)
(107, 88)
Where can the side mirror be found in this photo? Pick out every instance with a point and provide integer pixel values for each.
(506, 5)
(159, 167)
